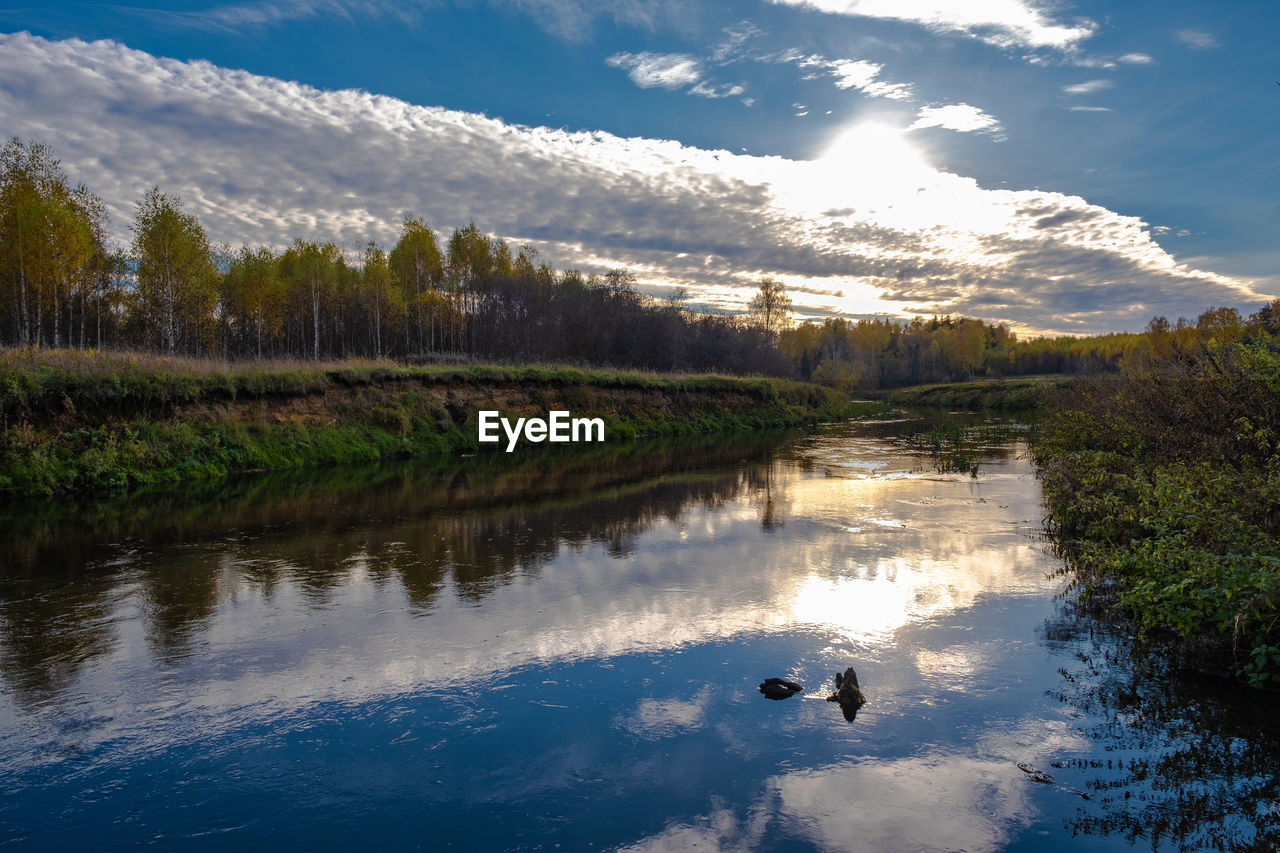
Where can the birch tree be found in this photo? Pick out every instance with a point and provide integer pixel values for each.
(176, 278)
(417, 265)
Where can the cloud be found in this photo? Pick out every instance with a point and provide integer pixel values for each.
(1197, 39)
(671, 71)
(1082, 109)
(662, 70)
(721, 90)
(958, 117)
(1004, 23)
(1137, 59)
(1088, 87)
(262, 161)
(572, 20)
(735, 36)
(979, 800)
(654, 719)
(858, 74)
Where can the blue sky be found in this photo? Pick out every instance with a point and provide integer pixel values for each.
(1073, 167)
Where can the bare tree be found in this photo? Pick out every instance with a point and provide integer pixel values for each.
(771, 306)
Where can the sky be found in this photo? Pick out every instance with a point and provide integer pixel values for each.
(1064, 167)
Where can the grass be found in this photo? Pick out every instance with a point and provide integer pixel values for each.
(35, 381)
(1024, 394)
(87, 421)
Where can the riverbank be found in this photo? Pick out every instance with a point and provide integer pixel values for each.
(1022, 394)
(88, 421)
(1163, 488)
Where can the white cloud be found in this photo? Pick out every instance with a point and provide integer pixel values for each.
(958, 117)
(571, 20)
(858, 74)
(261, 160)
(1081, 109)
(1088, 87)
(671, 71)
(1137, 59)
(663, 70)
(734, 37)
(979, 800)
(1197, 39)
(723, 90)
(1005, 23)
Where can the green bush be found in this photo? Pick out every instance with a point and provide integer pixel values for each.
(1164, 489)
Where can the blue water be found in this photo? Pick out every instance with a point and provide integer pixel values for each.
(564, 656)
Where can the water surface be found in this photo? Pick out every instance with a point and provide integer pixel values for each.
(563, 650)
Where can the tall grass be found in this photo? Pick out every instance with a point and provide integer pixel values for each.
(76, 421)
(1025, 394)
(32, 379)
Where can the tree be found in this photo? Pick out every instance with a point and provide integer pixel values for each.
(1160, 338)
(311, 272)
(51, 245)
(254, 295)
(771, 306)
(469, 264)
(1220, 324)
(176, 278)
(381, 298)
(1268, 317)
(417, 265)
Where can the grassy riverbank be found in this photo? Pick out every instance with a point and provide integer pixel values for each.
(1024, 394)
(77, 421)
(1164, 489)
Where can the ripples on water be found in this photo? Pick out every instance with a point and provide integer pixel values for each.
(564, 650)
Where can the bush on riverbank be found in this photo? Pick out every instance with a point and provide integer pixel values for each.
(1164, 489)
(86, 420)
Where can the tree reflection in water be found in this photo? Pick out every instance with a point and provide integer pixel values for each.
(1196, 760)
(68, 565)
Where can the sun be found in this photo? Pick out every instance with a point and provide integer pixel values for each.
(872, 163)
(875, 147)
(864, 167)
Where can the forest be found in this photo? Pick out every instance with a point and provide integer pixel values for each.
(174, 291)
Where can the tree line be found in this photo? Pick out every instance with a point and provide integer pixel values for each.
(869, 354)
(171, 290)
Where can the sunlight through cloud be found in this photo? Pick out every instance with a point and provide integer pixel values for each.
(869, 216)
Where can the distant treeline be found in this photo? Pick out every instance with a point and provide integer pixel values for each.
(174, 292)
(870, 354)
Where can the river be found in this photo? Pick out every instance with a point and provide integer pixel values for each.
(561, 650)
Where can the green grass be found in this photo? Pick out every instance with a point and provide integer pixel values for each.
(1025, 394)
(34, 381)
(86, 421)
